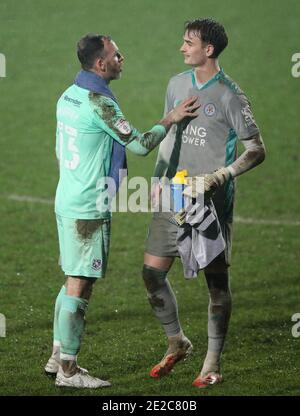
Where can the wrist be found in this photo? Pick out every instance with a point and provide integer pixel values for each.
(168, 121)
(231, 171)
(222, 175)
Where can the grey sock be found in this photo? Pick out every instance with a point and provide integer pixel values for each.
(219, 311)
(162, 299)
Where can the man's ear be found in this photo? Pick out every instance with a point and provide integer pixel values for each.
(209, 50)
(100, 64)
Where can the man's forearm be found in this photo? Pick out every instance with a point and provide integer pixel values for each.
(149, 140)
(143, 143)
(253, 155)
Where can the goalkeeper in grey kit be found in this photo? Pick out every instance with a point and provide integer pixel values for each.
(207, 147)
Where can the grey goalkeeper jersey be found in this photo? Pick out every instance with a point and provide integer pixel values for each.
(209, 141)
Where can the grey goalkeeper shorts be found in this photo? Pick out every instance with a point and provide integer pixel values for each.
(162, 237)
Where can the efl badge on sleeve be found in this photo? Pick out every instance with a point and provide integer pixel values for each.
(123, 126)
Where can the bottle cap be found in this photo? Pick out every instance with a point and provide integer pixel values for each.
(180, 177)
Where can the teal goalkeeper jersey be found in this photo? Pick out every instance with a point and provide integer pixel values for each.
(87, 124)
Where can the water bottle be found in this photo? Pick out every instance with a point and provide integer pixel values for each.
(177, 187)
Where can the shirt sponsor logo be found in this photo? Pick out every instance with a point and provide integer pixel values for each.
(210, 110)
(97, 264)
(248, 116)
(77, 103)
(123, 126)
(194, 135)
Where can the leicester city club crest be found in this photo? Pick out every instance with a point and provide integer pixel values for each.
(210, 110)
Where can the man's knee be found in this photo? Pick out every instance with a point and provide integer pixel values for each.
(161, 296)
(219, 291)
(217, 281)
(153, 278)
(80, 286)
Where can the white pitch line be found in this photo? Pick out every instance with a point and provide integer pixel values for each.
(24, 198)
(255, 221)
(237, 219)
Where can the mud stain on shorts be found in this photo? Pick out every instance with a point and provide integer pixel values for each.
(86, 228)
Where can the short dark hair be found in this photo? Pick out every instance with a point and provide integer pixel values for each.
(89, 48)
(210, 32)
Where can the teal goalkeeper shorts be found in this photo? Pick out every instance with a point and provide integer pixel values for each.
(84, 246)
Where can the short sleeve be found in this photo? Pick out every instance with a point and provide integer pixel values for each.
(240, 117)
(169, 101)
(109, 117)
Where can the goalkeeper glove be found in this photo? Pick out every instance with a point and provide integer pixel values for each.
(211, 182)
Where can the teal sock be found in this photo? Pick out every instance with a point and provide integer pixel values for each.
(56, 334)
(71, 323)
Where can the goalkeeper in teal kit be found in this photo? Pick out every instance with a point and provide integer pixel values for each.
(92, 134)
(206, 148)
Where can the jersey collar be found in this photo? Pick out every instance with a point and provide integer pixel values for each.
(94, 83)
(209, 82)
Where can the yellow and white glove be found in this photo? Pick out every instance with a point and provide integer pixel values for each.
(206, 184)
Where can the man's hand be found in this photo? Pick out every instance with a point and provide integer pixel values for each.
(211, 182)
(186, 109)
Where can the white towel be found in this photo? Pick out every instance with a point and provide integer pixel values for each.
(199, 239)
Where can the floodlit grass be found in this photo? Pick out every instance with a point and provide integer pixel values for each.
(123, 340)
